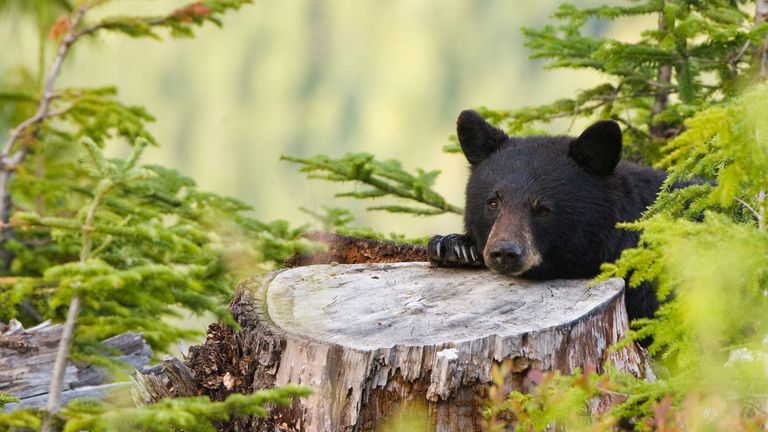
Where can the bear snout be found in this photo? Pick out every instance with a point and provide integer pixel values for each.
(505, 257)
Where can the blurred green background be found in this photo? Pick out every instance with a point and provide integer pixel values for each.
(302, 77)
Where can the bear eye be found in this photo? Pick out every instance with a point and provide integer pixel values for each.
(541, 210)
(493, 203)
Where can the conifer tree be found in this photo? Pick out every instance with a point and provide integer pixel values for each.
(110, 245)
(700, 53)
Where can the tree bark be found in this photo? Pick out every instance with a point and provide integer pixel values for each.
(658, 130)
(374, 338)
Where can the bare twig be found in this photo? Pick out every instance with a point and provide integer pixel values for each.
(9, 164)
(749, 207)
(599, 102)
(734, 61)
(53, 73)
(60, 366)
(149, 21)
(65, 344)
(663, 79)
(59, 112)
(758, 213)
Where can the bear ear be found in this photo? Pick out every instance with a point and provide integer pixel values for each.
(478, 139)
(598, 148)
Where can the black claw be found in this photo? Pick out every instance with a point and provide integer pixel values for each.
(453, 250)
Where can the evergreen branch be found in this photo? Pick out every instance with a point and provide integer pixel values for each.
(192, 414)
(386, 178)
(409, 210)
(585, 104)
(96, 113)
(6, 399)
(96, 156)
(567, 10)
(178, 21)
(17, 96)
(133, 159)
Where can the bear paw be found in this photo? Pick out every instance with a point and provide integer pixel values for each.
(453, 250)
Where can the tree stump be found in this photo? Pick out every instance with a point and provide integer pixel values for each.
(373, 338)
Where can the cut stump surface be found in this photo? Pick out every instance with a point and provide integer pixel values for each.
(373, 338)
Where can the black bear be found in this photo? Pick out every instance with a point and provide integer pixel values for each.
(547, 207)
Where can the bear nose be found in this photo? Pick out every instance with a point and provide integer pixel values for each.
(505, 253)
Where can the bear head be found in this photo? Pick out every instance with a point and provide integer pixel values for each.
(541, 207)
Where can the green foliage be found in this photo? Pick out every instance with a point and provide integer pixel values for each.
(384, 178)
(703, 243)
(693, 262)
(137, 242)
(337, 220)
(6, 399)
(180, 22)
(708, 48)
(133, 240)
(700, 54)
(197, 414)
(706, 249)
(188, 414)
(613, 401)
(20, 420)
(554, 399)
(148, 242)
(134, 243)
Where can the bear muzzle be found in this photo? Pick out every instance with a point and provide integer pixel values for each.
(505, 257)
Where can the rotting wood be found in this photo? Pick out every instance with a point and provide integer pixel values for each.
(172, 378)
(373, 338)
(352, 250)
(27, 357)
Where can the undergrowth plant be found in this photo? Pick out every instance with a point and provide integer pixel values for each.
(112, 245)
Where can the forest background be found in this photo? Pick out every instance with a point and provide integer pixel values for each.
(306, 77)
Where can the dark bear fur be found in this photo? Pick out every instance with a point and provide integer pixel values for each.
(547, 207)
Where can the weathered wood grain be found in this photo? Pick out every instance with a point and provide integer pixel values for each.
(372, 338)
(27, 357)
(100, 392)
(172, 378)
